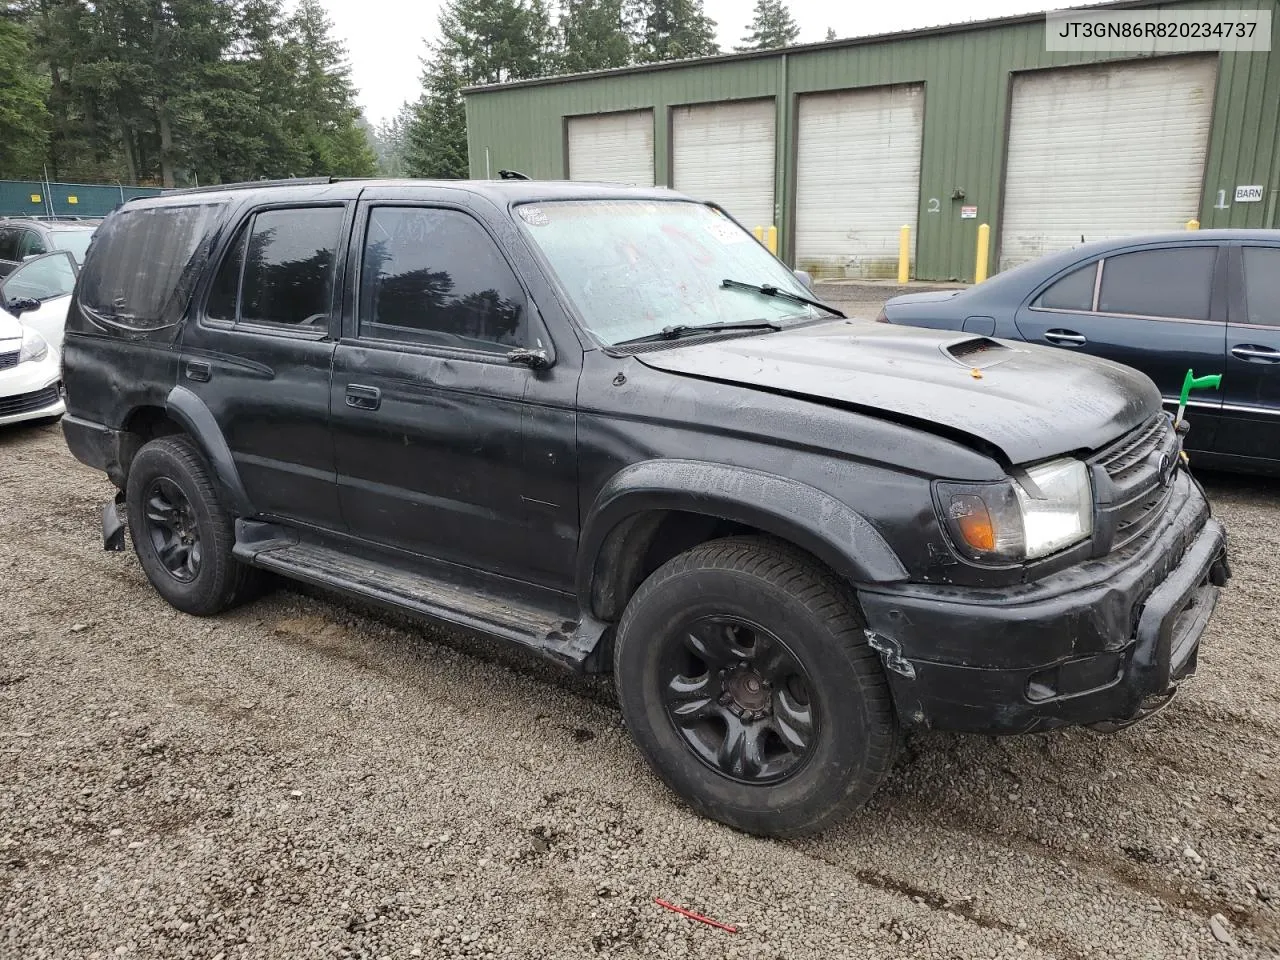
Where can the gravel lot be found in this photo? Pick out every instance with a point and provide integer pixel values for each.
(303, 779)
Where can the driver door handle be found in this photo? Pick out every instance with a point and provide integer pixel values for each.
(1065, 338)
(362, 397)
(1252, 353)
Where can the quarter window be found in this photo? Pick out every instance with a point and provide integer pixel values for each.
(1072, 292)
(435, 276)
(1262, 284)
(1174, 282)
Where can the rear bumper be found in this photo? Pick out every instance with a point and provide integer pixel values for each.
(95, 446)
(1086, 646)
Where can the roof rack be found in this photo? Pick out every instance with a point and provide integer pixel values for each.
(251, 185)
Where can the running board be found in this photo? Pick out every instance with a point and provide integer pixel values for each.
(571, 643)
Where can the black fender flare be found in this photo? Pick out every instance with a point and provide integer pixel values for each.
(810, 519)
(198, 421)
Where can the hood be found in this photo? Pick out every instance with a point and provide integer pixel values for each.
(927, 296)
(1029, 402)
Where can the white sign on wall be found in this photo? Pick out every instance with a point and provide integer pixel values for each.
(1250, 194)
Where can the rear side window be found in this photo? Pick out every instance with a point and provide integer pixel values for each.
(1262, 285)
(279, 270)
(1072, 292)
(32, 245)
(144, 264)
(8, 243)
(1174, 283)
(435, 276)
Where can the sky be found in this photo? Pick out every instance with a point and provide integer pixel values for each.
(386, 38)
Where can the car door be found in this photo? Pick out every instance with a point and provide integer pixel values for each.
(39, 290)
(427, 405)
(1160, 309)
(31, 244)
(10, 238)
(1250, 426)
(260, 352)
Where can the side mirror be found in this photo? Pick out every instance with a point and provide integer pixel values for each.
(526, 357)
(20, 305)
(805, 279)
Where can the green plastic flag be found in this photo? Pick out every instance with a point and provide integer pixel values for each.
(1192, 382)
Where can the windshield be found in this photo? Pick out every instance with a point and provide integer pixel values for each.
(74, 241)
(635, 267)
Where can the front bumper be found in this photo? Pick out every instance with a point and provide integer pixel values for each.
(32, 390)
(1087, 645)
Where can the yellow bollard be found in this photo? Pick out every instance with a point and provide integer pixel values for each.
(759, 233)
(984, 247)
(772, 242)
(904, 253)
(1193, 224)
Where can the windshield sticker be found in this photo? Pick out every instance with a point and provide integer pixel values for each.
(534, 216)
(726, 232)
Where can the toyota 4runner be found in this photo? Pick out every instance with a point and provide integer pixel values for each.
(606, 424)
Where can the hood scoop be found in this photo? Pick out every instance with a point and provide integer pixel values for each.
(977, 353)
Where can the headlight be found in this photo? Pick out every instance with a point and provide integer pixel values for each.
(1046, 509)
(34, 346)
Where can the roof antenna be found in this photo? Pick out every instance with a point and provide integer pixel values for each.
(511, 175)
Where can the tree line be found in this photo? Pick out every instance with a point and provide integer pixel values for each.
(175, 92)
(185, 92)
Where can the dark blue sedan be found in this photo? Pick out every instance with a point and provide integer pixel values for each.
(1207, 300)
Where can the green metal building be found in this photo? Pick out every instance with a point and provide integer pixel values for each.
(840, 144)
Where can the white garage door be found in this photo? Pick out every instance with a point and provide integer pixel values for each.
(1103, 152)
(612, 147)
(858, 179)
(725, 152)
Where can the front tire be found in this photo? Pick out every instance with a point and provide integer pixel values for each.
(746, 680)
(181, 533)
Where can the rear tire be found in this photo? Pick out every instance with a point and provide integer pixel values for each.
(181, 533)
(746, 680)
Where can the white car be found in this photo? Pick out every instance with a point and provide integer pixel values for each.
(33, 314)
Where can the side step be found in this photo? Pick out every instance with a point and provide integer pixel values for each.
(440, 597)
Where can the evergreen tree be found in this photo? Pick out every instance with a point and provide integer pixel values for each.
(436, 138)
(493, 41)
(771, 27)
(593, 36)
(831, 33)
(325, 114)
(673, 30)
(23, 115)
(390, 142)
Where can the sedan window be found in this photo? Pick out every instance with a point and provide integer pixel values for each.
(1072, 292)
(1262, 284)
(1174, 282)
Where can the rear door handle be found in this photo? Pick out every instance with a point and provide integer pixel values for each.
(363, 398)
(198, 370)
(1252, 353)
(1065, 338)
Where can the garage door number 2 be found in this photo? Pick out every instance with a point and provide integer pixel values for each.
(935, 205)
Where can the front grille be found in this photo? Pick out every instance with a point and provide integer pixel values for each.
(1139, 467)
(8, 360)
(26, 402)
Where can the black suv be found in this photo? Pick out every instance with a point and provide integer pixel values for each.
(605, 423)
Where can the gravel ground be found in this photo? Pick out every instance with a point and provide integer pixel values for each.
(303, 779)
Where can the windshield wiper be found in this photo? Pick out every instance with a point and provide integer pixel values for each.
(686, 329)
(769, 290)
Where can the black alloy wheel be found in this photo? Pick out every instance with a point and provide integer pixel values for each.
(173, 530)
(739, 698)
